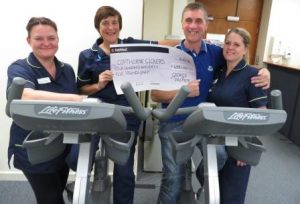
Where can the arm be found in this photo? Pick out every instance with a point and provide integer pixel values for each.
(167, 96)
(89, 89)
(171, 43)
(163, 96)
(263, 79)
(31, 94)
(103, 79)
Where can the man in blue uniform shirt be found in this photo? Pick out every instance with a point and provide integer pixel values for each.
(207, 58)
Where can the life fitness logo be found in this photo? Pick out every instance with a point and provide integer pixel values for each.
(248, 116)
(64, 111)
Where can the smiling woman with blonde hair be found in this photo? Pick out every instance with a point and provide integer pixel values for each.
(233, 88)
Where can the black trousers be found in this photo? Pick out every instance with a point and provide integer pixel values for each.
(233, 182)
(48, 188)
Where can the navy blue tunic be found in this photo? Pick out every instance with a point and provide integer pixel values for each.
(236, 90)
(94, 61)
(39, 79)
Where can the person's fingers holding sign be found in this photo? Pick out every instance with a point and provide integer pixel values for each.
(194, 87)
(104, 78)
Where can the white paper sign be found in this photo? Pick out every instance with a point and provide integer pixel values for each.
(148, 66)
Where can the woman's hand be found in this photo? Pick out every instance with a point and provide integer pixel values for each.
(104, 78)
(240, 163)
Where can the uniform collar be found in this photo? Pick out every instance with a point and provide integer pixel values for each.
(32, 61)
(96, 48)
(240, 66)
(203, 47)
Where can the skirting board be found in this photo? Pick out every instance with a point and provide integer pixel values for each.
(19, 176)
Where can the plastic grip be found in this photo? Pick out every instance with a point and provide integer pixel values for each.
(173, 105)
(15, 91)
(140, 112)
(276, 99)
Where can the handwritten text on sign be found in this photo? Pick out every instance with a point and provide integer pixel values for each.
(149, 67)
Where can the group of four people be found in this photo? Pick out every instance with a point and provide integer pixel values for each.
(50, 79)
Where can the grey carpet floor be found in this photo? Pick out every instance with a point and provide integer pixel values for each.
(276, 180)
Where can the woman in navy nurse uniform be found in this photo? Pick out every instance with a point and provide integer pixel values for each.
(48, 79)
(95, 80)
(232, 87)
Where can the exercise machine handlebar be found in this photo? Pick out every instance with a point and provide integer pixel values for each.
(276, 99)
(15, 91)
(140, 112)
(172, 109)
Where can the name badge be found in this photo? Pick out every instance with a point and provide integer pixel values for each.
(44, 80)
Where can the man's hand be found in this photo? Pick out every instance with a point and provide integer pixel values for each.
(194, 88)
(263, 79)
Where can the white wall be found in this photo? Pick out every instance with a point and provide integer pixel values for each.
(157, 18)
(283, 26)
(162, 19)
(178, 6)
(264, 23)
(76, 32)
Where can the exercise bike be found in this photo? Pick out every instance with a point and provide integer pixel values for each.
(213, 126)
(54, 124)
